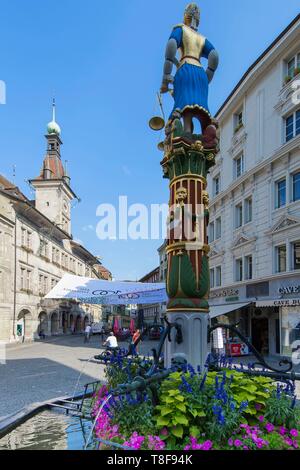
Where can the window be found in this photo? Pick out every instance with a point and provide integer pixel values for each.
(211, 232)
(292, 126)
(248, 267)
(248, 210)
(238, 121)
(296, 255)
(240, 118)
(212, 278)
(44, 248)
(239, 215)
(26, 238)
(41, 283)
(296, 187)
(280, 194)
(218, 276)
(53, 254)
(216, 185)
(281, 259)
(293, 65)
(239, 270)
(25, 279)
(239, 166)
(218, 228)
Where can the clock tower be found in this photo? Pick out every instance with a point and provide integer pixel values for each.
(53, 193)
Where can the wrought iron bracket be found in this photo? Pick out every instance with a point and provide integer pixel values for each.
(260, 359)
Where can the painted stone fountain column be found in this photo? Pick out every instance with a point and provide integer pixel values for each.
(186, 164)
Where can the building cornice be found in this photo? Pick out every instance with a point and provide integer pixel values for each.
(263, 62)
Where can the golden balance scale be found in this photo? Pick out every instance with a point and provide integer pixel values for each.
(157, 123)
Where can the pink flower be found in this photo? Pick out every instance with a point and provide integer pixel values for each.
(155, 443)
(261, 419)
(288, 441)
(294, 433)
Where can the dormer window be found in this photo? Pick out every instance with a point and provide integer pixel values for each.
(293, 66)
(238, 120)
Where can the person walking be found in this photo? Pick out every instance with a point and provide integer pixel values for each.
(102, 333)
(136, 339)
(87, 333)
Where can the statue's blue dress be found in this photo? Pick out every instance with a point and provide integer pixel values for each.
(191, 82)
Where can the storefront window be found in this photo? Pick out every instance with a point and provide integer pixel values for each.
(290, 329)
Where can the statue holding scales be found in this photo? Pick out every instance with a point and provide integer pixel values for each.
(191, 81)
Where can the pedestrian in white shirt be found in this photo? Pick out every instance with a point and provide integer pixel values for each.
(87, 333)
(111, 342)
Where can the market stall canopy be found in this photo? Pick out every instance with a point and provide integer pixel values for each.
(98, 292)
(219, 310)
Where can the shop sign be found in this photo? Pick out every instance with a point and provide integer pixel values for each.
(279, 303)
(289, 290)
(225, 293)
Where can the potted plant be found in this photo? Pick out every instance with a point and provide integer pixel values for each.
(296, 71)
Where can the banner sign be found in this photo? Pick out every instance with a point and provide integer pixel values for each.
(98, 292)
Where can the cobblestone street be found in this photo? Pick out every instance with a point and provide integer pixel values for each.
(44, 370)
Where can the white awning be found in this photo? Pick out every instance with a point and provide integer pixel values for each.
(219, 310)
(98, 292)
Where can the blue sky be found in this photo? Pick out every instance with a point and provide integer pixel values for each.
(103, 61)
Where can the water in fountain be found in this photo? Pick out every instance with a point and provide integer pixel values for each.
(79, 377)
(96, 419)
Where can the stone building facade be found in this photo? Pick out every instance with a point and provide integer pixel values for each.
(150, 313)
(37, 249)
(254, 229)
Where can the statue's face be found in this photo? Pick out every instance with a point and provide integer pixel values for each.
(192, 16)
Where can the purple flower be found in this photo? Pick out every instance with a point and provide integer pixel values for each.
(207, 445)
(282, 431)
(270, 427)
(164, 432)
(258, 406)
(295, 445)
(230, 442)
(288, 441)
(237, 443)
(294, 433)
(261, 419)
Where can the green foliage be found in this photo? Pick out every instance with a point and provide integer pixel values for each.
(255, 390)
(186, 412)
(137, 418)
(281, 412)
(174, 412)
